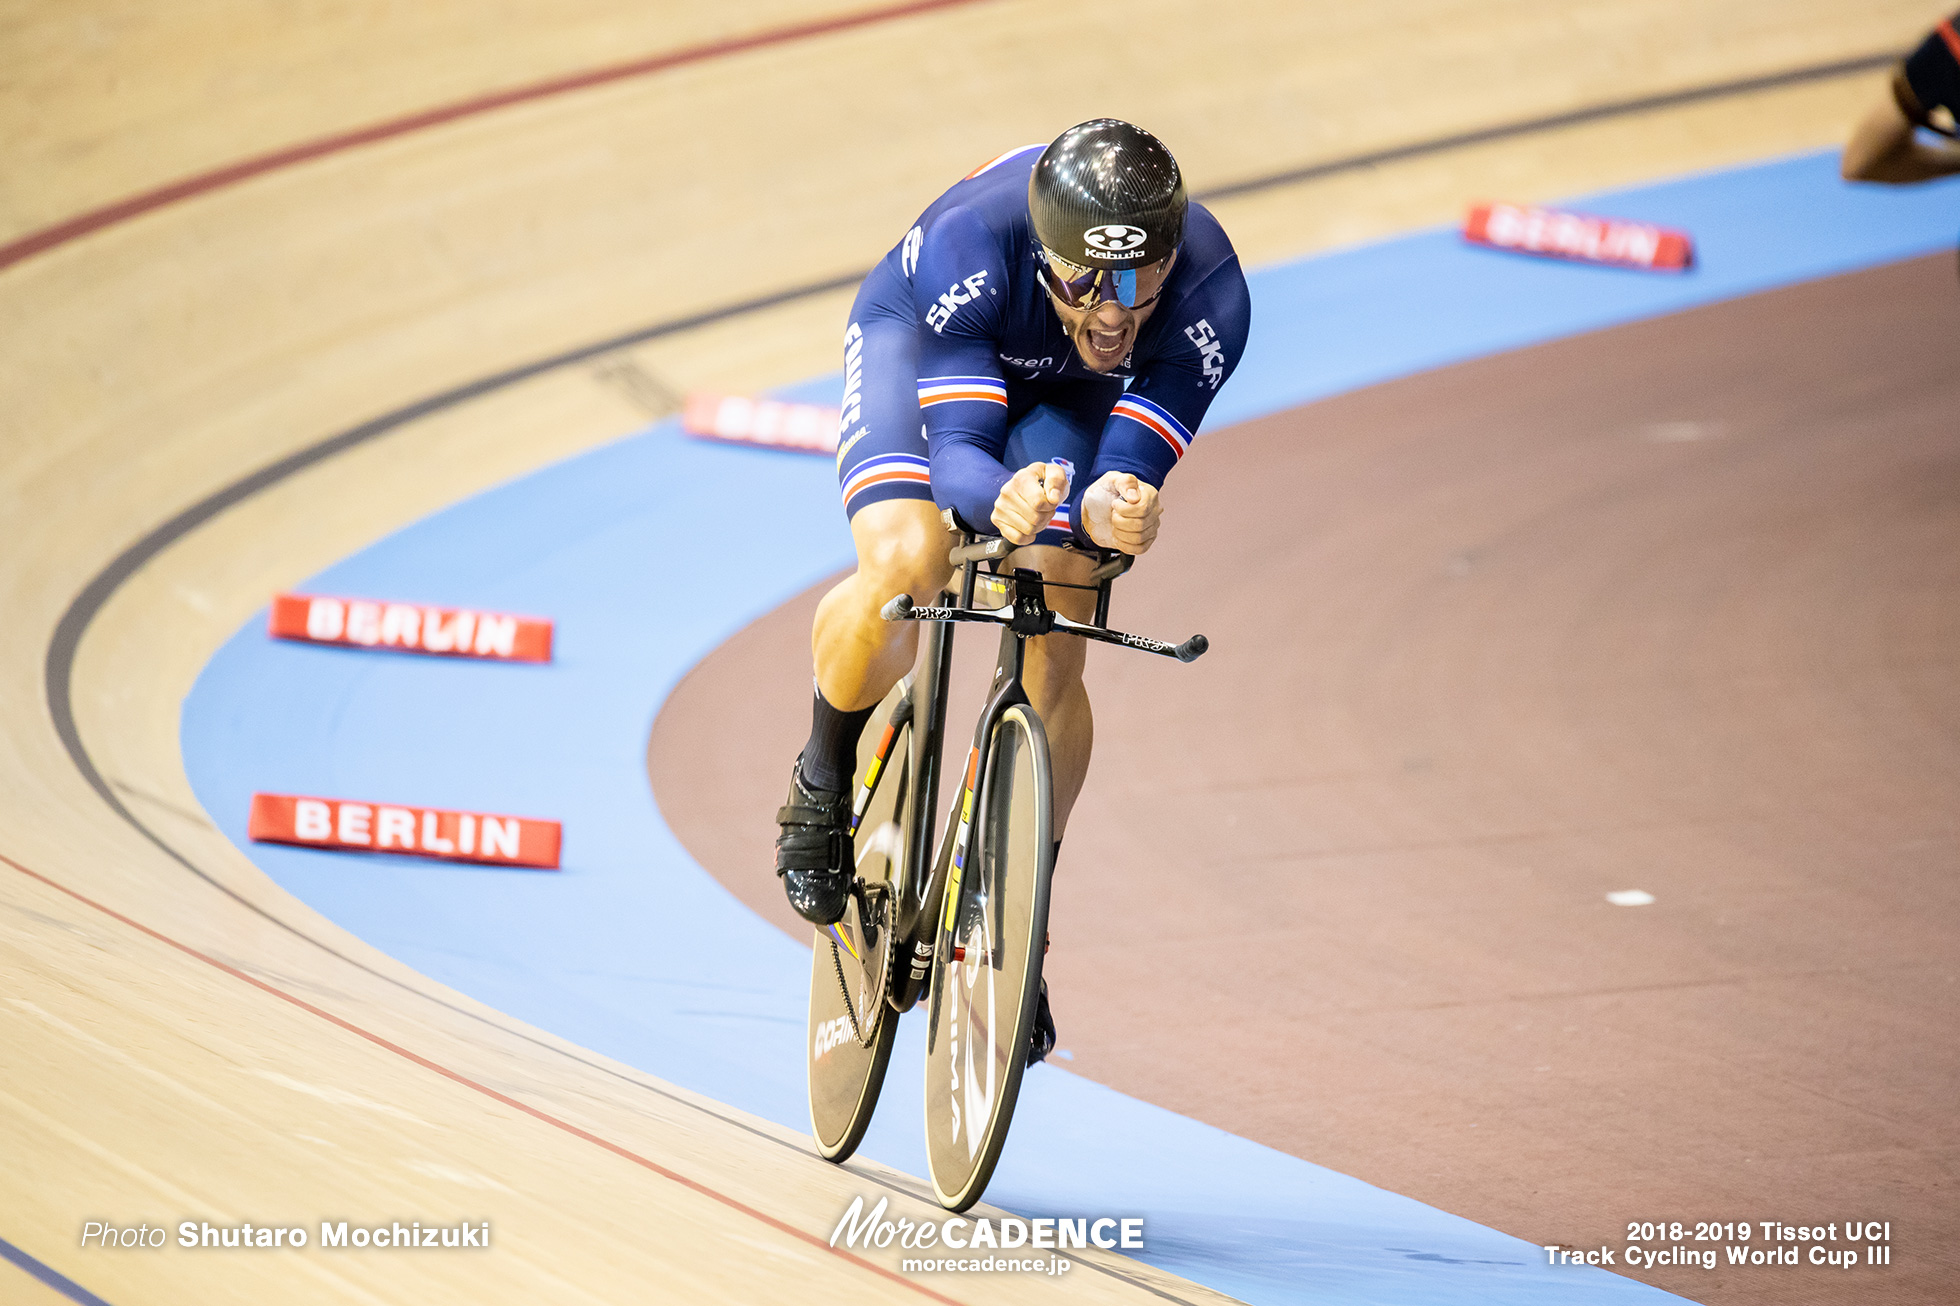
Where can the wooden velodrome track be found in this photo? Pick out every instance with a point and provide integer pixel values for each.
(182, 1035)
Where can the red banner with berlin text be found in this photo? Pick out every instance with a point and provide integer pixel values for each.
(482, 837)
(411, 627)
(1552, 233)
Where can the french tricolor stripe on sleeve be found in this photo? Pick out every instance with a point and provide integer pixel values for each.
(999, 159)
(886, 469)
(1139, 409)
(958, 389)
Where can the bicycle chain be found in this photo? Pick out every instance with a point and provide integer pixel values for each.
(850, 1007)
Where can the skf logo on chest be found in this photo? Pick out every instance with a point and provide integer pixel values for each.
(456, 632)
(1212, 353)
(949, 303)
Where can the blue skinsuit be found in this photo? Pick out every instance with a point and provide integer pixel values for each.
(957, 373)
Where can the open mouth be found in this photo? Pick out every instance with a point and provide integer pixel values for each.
(1107, 344)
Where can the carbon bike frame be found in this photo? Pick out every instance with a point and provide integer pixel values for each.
(915, 906)
(915, 913)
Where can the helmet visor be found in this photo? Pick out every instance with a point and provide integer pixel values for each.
(1087, 288)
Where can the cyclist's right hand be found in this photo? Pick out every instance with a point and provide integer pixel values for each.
(1028, 501)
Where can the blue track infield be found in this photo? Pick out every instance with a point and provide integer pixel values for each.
(634, 951)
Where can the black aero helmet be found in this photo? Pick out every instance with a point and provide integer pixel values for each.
(1107, 195)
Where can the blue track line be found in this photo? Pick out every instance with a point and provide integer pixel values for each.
(55, 1279)
(634, 951)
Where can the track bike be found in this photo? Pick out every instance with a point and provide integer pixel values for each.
(961, 925)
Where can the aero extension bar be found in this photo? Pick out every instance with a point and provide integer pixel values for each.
(1030, 615)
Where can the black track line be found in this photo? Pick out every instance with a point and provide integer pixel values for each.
(82, 611)
(94, 596)
(1552, 122)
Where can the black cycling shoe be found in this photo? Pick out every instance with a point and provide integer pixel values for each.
(813, 853)
(1041, 1038)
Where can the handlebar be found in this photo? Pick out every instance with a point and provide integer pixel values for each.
(901, 608)
(1029, 613)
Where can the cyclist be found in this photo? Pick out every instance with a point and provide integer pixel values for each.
(1034, 356)
(1925, 93)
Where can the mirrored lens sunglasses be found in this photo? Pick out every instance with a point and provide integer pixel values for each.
(1085, 288)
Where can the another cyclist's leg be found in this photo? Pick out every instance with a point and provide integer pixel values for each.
(885, 481)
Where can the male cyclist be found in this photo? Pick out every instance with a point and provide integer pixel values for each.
(1034, 355)
(1925, 93)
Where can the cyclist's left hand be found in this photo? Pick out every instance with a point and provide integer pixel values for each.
(1121, 512)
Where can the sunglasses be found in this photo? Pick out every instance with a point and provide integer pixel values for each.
(1087, 288)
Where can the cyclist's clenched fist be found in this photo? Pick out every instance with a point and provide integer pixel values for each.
(1121, 512)
(1028, 501)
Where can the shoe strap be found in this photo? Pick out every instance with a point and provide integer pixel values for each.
(819, 813)
(813, 849)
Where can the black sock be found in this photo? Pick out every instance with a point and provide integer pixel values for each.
(830, 758)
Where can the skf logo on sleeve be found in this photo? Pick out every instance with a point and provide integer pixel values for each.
(1212, 352)
(949, 303)
(908, 252)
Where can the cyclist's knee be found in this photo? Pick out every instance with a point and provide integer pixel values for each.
(902, 550)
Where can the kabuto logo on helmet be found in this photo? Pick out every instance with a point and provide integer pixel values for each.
(1107, 194)
(1115, 236)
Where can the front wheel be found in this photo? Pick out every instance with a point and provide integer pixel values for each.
(987, 966)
